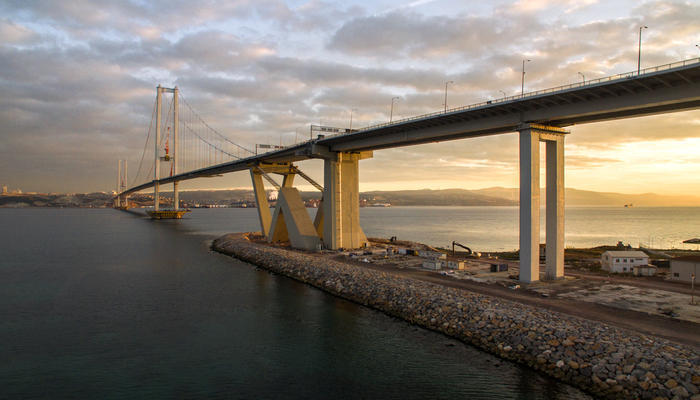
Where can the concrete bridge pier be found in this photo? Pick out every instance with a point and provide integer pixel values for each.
(341, 201)
(261, 200)
(290, 221)
(337, 221)
(530, 137)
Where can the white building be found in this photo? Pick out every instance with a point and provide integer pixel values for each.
(683, 268)
(623, 261)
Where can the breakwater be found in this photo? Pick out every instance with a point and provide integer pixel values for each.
(606, 361)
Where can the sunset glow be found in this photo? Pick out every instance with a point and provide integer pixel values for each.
(78, 83)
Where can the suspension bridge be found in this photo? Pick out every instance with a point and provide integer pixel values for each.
(189, 149)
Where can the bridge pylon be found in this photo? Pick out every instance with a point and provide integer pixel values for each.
(530, 137)
(121, 201)
(341, 200)
(175, 212)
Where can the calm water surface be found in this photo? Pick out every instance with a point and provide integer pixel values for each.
(106, 304)
(496, 228)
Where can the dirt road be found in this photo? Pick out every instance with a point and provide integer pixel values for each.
(640, 281)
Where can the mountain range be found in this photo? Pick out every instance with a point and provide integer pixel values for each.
(494, 196)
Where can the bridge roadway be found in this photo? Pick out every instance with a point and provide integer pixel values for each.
(670, 88)
(538, 117)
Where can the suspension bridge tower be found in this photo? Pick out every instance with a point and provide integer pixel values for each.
(165, 155)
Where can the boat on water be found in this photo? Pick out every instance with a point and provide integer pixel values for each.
(380, 205)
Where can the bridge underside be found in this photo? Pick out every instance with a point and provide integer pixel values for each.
(537, 117)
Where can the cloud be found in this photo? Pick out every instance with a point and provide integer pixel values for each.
(530, 6)
(15, 34)
(410, 35)
(78, 78)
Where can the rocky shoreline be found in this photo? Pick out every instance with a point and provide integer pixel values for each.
(605, 361)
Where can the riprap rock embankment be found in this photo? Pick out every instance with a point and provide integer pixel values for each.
(606, 361)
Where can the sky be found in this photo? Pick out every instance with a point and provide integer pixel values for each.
(78, 78)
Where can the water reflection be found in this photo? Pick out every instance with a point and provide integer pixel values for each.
(100, 304)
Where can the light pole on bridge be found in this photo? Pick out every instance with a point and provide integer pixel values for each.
(446, 83)
(522, 81)
(391, 113)
(639, 51)
(583, 77)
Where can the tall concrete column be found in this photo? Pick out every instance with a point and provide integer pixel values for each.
(529, 205)
(555, 208)
(176, 122)
(530, 137)
(341, 202)
(261, 201)
(332, 205)
(156, 167)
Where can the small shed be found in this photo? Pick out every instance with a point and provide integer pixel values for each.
(683, 268)
(455, 264)
(645, 270)
(434, 264)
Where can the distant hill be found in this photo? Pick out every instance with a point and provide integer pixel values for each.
(576, 197)
(427, 197)
(214, 196)
(494, 196)
(86, 200)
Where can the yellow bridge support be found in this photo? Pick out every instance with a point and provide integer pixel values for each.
(337, 221)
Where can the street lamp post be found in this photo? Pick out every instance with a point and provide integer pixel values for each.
(351, 111)
(446, 83)
(583, 77)
(391, 113)
(522, 81)
(639, 51)
(504, 93)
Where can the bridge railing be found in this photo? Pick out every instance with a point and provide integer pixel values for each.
(590, 82)
(535, 93)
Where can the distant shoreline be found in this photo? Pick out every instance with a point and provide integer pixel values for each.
(515, 206)
(496, 196)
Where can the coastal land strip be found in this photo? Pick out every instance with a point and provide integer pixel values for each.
(606, 360)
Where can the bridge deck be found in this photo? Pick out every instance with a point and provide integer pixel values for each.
(668, 88)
